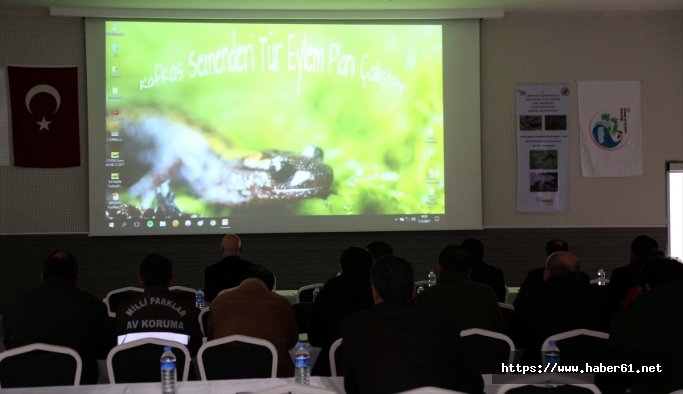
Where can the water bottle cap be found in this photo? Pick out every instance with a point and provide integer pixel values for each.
(167, 348)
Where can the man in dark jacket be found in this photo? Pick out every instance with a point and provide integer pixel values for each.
(396, 346)
(59, 313)
(226, 273)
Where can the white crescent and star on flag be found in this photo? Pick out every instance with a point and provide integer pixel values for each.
(43, 88)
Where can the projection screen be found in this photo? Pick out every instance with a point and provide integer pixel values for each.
(200, 127)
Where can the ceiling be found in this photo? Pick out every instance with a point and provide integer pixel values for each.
(506, 5)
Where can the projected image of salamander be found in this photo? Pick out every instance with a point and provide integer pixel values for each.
(168, 157)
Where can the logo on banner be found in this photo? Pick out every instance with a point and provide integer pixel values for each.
(610, 132)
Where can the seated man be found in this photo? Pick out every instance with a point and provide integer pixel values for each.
(59, 313)
(649, 332)
(226, 273)
(253, 309)
(485, 273)
(341, 295)
(395, 346)
(562, 302)
(468, 303)
(158, 312)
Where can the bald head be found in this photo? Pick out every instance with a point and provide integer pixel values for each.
(231, 244)
(560, 263)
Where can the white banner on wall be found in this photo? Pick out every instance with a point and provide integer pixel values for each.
(611, 140)
(4, 121)
(542, 147)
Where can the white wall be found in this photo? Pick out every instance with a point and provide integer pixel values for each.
(520, 48)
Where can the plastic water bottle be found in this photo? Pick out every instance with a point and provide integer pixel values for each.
(199, 299)
(302, 364)
(431, 279)
(552, 355)
(168, 371)
(602, 277)
(315, 294)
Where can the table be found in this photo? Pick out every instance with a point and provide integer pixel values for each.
(234, 386)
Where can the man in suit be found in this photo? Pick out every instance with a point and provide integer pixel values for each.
(624, 278)
(562, 302)
(226, 273)
(468, 303)
(485, 273)
(253, 309)
(59, 313)
(395, 346)
(341, 295)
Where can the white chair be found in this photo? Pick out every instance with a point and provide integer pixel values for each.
(203, 321)
(138, 361)
(216, 361)
(305, 293)
(183, 288)
(596, 281)
(24, 377)
(495, 337)
(506, 306)
(573, 333)
(117, 296)
(333, 353)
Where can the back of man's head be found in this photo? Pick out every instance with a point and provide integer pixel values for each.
(455, 258)
(231, 244)
(60, 267)
(379, 249)
(658, 271)
(156, 271)
(476, 249)
(355, 260)
(556, 245)
(392, 279)
(561, 263)
(642, 248)
(259, 272)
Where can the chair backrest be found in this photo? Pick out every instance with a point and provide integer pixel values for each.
(40, 364)
(335, 358)
(116, 297)
(486, 350)
(305, 293)
(237, 357)
(203, 318)
(580, 346)
(138, 361)
(186, 293)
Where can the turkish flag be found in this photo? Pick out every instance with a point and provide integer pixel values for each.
(44, 110)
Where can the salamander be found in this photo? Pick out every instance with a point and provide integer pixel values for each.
(169, 152)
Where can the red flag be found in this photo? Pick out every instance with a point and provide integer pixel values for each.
(44, 108)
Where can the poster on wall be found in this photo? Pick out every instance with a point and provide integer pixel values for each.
(4, 121)
(542, 147)
(611, 139)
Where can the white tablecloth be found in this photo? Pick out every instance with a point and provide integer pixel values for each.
(194, 387)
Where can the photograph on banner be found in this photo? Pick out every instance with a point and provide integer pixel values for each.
(611, 139)
(542, 147)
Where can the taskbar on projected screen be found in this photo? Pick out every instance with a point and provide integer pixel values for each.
(201, 225)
